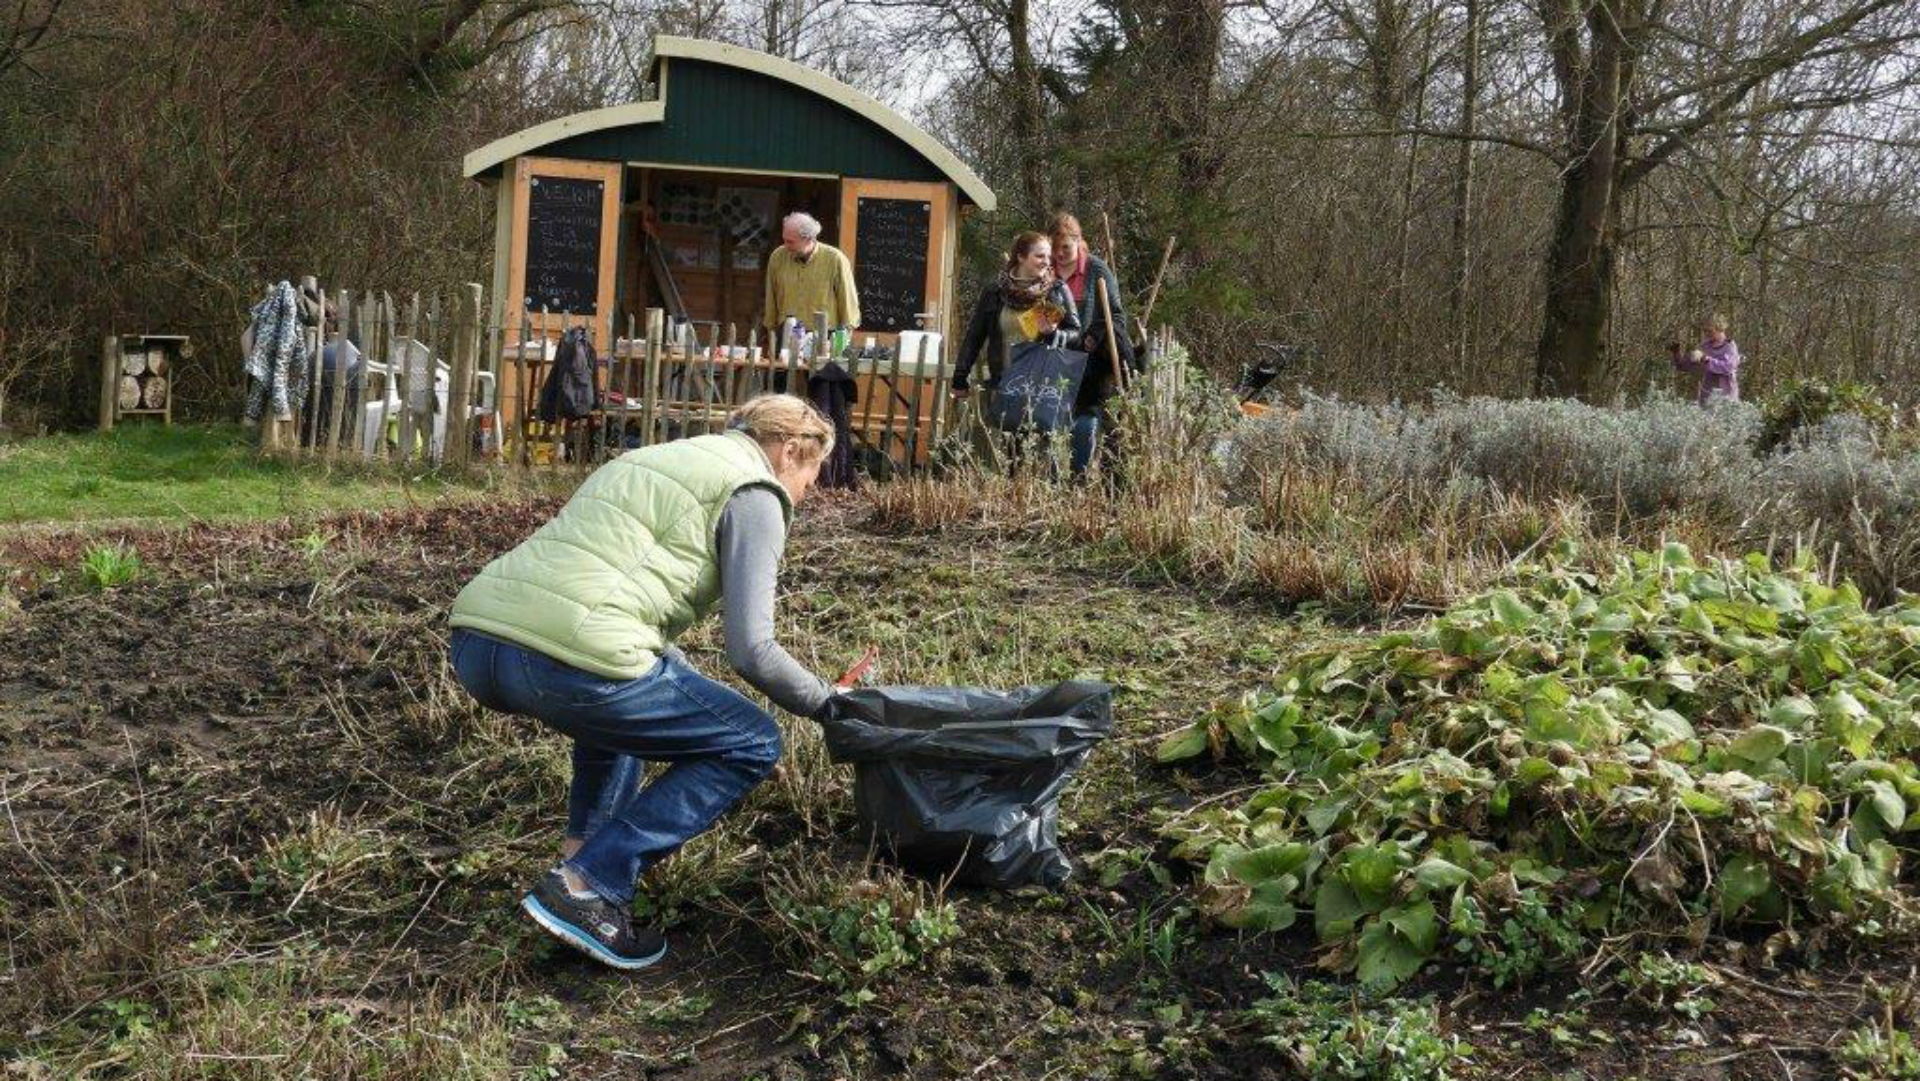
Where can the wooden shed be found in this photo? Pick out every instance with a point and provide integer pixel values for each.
(675, 202)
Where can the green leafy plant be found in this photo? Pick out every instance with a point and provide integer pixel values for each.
(1882, 1050)
(1152, 937)
(106, 566)
(862, 934)
(1880, 1054)
(1666, 983)
(1548, 759)
(1804, 404)
(1326, 1031)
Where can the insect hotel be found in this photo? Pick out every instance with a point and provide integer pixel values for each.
(649, 225)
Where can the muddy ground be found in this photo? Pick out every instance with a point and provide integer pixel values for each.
(252, 828)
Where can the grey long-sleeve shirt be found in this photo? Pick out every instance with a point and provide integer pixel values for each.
(752, 536)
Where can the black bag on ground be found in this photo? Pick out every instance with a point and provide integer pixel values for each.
(966, 782)
(1037, 391)
(569, 391)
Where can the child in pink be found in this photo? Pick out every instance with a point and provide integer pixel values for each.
(1716, 359)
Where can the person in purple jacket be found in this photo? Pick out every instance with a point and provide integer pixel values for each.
(1716, 360)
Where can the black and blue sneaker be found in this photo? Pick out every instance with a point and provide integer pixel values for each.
(592, 925)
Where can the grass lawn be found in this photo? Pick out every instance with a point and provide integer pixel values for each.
(188, 472)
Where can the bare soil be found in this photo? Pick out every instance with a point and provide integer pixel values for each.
(254, 755)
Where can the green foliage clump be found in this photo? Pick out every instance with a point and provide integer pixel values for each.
(106, 566)
(1668, 744)
(1669, 984)
(1327, 1032)
(867, 933)
(1805, 404)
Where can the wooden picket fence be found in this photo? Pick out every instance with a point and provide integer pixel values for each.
(440, 383)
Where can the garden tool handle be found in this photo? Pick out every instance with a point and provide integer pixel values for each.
(854, 675)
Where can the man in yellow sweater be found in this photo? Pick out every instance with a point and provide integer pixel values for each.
(805, 276)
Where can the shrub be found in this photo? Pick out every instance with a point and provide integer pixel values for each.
(1805, 404)
(1661, 469)
(1664, 456)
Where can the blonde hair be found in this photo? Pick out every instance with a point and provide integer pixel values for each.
(773, 419)
(1064, 227)
(1716, 321)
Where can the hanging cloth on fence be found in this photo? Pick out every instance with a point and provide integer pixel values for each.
(833, 392)
(277, 364)
(569, 390)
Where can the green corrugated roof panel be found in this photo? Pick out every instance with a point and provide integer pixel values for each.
(725, 117)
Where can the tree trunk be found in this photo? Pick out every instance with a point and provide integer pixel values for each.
(1463, 190)
(1195, 37)
(1580, 257)
(1029, 110)
(1580, 263)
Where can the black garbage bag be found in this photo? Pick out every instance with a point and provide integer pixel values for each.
(966, 782)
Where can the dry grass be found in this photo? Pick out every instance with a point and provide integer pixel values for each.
(1296, 533)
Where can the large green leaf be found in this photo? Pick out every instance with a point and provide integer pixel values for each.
(1435, 873)
(1189, 742)
(1371, 869)
(1887, 803)
(1268, 908)
(1849, 722)
(1760, 744)
(1742, 878)
(1794, 713)
(1664, 727)
(1393, 947)
(1511, 611)
(1337, 910)
(1268, 863)
(1417, 922)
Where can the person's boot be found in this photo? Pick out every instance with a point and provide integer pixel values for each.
(593, 925)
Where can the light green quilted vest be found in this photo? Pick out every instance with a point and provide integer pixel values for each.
(627, 564)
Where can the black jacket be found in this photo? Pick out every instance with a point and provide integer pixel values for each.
(1097, 387)
(984, 329)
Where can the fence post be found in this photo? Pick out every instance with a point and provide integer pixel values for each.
(309, 433)
(460, 379)
(893, 404)
(943, 404)
(522, 454)
(656, 329)
(337, 406)
(733, 374)
(110, 382)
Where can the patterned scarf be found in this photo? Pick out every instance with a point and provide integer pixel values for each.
(280, 358)
(1023, 293)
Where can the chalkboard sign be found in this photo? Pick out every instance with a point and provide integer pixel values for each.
(563, 244)
(890, 262)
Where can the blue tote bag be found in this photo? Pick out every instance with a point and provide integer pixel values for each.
(1036, 392)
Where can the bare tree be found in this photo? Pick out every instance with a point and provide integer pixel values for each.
(1642, 82)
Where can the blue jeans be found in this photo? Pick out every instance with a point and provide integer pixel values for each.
(1086, 435)
(719, 745)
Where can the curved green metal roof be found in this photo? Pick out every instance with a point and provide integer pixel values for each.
(724, 107)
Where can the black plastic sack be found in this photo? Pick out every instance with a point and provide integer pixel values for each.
(1039, 388)
(966, 782)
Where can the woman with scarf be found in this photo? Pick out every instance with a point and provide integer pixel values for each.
(1026, 304)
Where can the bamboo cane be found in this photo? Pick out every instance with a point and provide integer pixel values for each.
(1113, 345)
(1153, 294)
